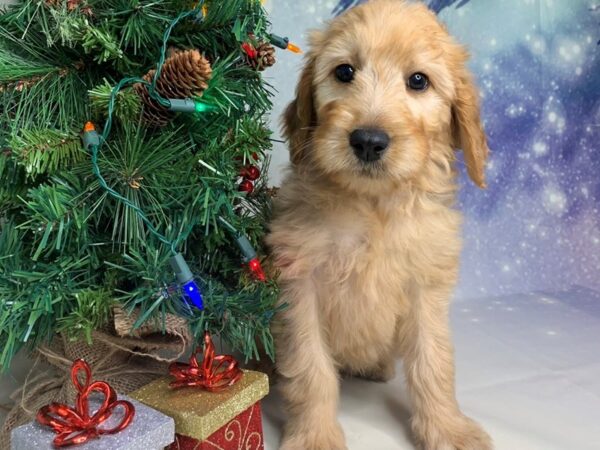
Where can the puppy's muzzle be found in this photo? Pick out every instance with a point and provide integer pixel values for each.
(369, 144)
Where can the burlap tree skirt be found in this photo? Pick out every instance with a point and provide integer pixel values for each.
(125, 358)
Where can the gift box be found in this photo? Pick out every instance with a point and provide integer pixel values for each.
(227, 419)
(149, 430)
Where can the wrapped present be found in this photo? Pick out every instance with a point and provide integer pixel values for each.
(149, 430)
(213, 405)
(99, 420)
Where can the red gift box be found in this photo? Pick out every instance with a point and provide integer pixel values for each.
(244, 432)
(229, 419)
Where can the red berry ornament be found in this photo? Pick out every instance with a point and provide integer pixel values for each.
(250, 173)
(249, 50)
(246, 186)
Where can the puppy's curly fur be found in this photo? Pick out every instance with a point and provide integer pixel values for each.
(368, 253)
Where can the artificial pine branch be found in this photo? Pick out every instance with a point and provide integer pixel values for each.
(56, 221)
(153, 173)
(141, 23)
(92, 309)
(16, 68)
(12, 182)
(68, 247)
(46, 151)
(56, 100)
(33, 298)
(127, 102)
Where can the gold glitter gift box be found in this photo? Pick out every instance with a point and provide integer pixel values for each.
(226, 420)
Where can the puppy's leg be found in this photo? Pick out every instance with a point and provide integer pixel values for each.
(438, 422)
(309, 381)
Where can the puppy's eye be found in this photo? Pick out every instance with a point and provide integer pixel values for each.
(418, 81)
(344, 73)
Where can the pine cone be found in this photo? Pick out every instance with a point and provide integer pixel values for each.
(184, 74)
(265, 56)
(153, 113)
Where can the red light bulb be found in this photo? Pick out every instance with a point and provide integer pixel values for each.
(256, 269)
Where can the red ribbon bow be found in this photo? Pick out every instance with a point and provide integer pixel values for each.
(76, 426)
(216, 373)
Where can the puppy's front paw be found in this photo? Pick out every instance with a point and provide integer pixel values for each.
(456, 433)
(320, 437)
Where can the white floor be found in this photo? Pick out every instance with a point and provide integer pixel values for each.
(528, 368)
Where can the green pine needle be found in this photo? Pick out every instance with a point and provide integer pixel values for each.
(92, 309)
(46, 151)
(127, 103)
(57, 220)
(16, 68)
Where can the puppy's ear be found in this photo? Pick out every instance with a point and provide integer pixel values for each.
(467, 129)
(300, 117)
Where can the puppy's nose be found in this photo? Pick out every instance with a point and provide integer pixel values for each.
(369, 143)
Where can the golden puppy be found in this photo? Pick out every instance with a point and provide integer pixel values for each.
(364, 234)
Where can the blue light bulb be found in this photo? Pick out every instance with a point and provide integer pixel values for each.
(192, 292)
(189, 288)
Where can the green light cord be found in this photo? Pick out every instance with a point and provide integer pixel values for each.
(107, 127)
(137, 209)
(111, 103)
(227, 225)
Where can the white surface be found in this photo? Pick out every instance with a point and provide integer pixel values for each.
(528, 369)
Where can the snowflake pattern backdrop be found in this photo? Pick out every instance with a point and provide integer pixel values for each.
(537, 226)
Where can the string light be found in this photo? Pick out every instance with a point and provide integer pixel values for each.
(284, 43)
(249, 255)
(190, 290)
(184, 275)
(256, 269)
(92, 142)
(188, 105)
(90, 136)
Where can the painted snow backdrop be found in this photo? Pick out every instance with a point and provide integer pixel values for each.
(537, 226)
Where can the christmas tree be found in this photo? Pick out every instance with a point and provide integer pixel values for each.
(133, 152)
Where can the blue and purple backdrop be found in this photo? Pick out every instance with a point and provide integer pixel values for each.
(537, 226)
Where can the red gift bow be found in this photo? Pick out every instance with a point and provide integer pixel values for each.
(215, 374)
(76, 426)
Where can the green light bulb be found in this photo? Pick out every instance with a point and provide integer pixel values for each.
(203, 107)
(187, 105)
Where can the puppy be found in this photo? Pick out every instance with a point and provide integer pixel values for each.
(364, 234)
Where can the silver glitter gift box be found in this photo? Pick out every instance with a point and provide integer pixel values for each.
(149, 430)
